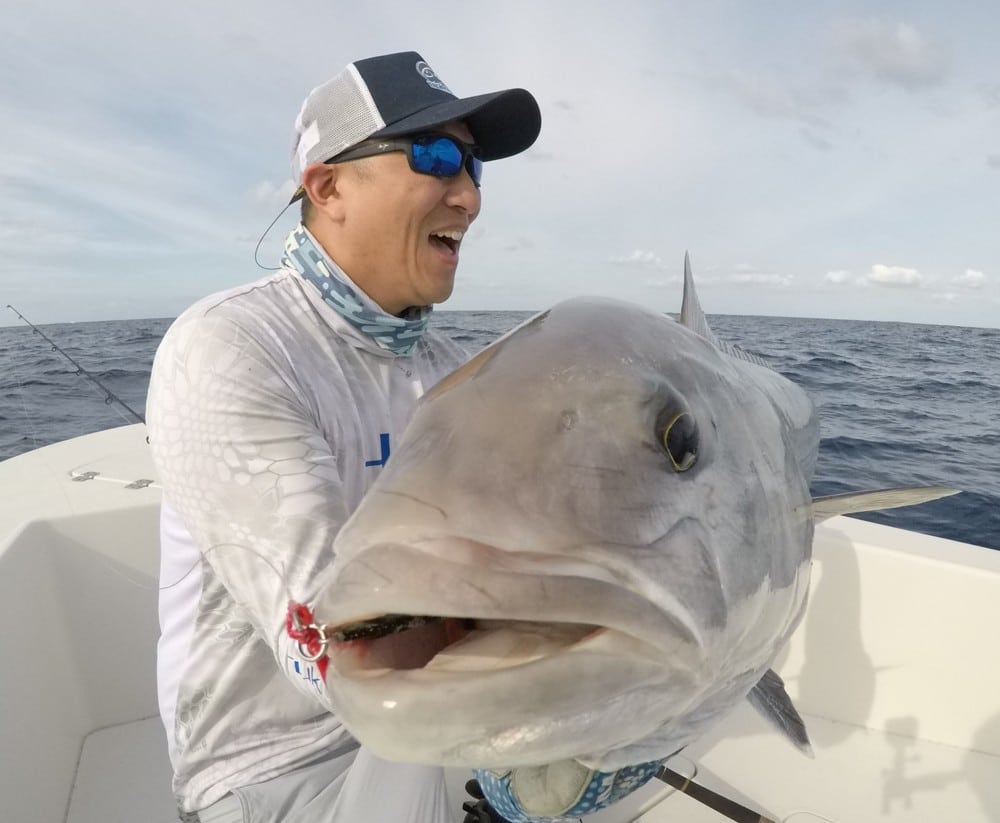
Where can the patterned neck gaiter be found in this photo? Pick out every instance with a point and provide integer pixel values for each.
(396, 334)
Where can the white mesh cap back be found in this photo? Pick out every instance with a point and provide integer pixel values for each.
(398, 94)
(335, 116)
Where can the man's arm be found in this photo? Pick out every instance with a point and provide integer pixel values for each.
(244, 463)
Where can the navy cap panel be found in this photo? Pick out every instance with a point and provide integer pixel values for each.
(404, 95)
(503, 123)
(402, 84)
(509, 127)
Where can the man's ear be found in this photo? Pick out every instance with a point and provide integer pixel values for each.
(321, 184)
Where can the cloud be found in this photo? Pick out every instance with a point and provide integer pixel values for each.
(771, 96)
(815, 140)
(270, 194)
(749, 274)
(766, 96)
(894, 276)
(519, 243)
(660, 282)
(895, 53)
(158, 177)
(970, 279)
(762, 279)
(643, 259)
(746, 274)
(991, 94)
(903, 277)
(538, 156)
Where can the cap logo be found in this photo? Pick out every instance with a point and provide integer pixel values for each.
(432, 79)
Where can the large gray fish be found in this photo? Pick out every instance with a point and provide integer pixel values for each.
(610, 511)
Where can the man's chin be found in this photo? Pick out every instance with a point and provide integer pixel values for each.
(439, 293)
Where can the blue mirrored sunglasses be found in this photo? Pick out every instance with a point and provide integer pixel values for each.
(434, 153)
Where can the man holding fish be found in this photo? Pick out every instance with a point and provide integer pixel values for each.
(273, 408)
(588, 547)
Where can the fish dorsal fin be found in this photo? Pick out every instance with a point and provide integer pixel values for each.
(693, 317)
(771, 700)
(692, 314)
(824, 508)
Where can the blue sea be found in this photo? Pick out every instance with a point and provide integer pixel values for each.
(899, 404)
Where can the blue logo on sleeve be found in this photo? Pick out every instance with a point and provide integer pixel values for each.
(384, 443)
(307, 672)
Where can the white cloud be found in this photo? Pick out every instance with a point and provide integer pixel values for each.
(660, 282)
(751, 139)
(815, 140)
(895, 53)
(766, 96)
(744, 274)
(970, 279)
(772, 96)
(762, 279)
(749, 274)
(838, 277)
(644, 259)
(991, 94)
(270, 194)
(894, 276)
(519, 243)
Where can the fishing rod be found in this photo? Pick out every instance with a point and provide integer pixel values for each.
(109, 396)
(725, 806)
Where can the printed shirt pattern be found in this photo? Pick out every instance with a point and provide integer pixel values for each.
(264, 407)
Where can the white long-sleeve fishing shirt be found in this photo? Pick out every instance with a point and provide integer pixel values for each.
(269, 417)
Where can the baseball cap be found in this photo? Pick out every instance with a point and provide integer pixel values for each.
(397, 94)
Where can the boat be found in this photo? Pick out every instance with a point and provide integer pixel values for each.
(894, 668)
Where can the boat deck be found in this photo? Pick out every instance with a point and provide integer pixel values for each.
(857, 773)
(877, 775)
(123, 775)
(892, 669)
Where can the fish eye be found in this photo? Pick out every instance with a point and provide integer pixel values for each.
(678, 435)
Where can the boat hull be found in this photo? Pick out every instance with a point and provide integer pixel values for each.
(893, 667)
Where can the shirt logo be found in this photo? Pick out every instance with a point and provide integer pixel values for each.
(307, 672)
(383, 440)
(432, 79)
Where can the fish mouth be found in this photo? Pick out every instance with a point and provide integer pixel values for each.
(494, 693)
(379, 645)
(452, 652)
(454, 609)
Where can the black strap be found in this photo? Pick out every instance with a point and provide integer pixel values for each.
(717, 802)
(478, 810)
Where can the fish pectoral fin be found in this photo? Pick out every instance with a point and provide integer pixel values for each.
(824, 508)
(771, 700)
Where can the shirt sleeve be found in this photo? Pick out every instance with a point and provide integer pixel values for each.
(244, 462)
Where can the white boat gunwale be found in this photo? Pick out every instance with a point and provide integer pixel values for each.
(891, 668)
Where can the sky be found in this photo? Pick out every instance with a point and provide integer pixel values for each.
(816, 159)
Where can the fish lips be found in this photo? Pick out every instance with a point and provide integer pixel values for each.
(611, 665)
(540, 712)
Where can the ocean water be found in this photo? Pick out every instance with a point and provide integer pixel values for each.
(899, 404)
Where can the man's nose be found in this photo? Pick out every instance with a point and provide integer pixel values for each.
(464, 194)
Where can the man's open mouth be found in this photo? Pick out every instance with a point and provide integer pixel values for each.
(447, 240)
(396, 642)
